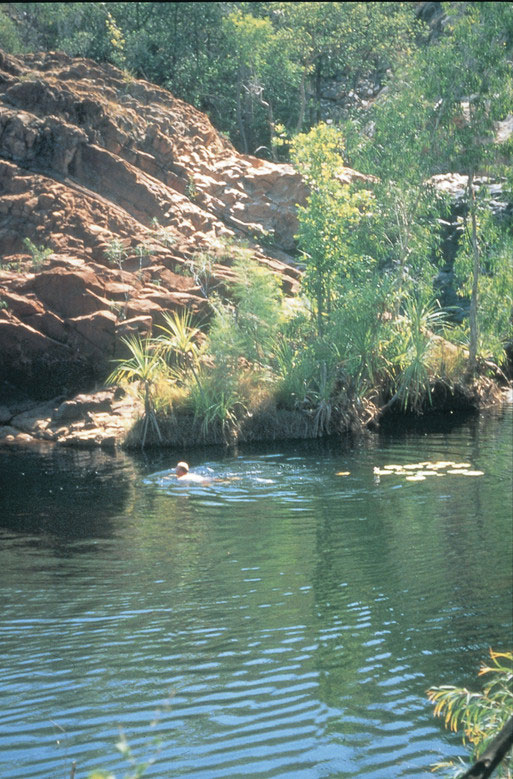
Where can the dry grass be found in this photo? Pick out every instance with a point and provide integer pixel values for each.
(446, 361)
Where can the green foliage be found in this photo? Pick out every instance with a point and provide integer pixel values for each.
(201, 268)
(39, 253)
(439, 115)
(191, 189)
(291, 377)
(116, 39)
(116, 253)
(15, 265)
(143, 254)
(258, 309)
(318, 154)
(216, 402)
(251, 66)
(480, 715)
(163, 234)
(181, 346)
(495, 282)
(360, 327)
(393, 144)
(474, 91)
(9, 37)
(217, 377)
(369, 248)
(79, 29)
(239, 346)
(246, 327)
(254, 43)
(144, 364)
(327, 222)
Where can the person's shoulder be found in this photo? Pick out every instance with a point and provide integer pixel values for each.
(193, 477)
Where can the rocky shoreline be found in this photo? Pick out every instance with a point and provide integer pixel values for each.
(99, 419)
(111, 419)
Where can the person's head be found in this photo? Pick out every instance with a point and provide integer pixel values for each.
(181, 469)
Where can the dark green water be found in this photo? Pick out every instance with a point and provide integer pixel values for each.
(284, 623)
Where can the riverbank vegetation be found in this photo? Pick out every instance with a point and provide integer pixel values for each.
(481, 716)
(328, 361)
(372, 330)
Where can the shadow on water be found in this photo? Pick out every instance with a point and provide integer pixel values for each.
(66, 494)
(392, 425)
(434, 422)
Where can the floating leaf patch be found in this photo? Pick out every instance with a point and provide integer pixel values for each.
(427, 468)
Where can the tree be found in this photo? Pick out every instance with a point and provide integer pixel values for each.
(249, 39)
(392, 143)
(467, 83)
(326, 221)
(250, 66)
(9, 36)
(350, 42)
(439, 114)
(79, 29)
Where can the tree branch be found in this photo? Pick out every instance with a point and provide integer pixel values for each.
(491, 758)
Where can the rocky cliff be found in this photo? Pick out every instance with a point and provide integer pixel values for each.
(109, 190)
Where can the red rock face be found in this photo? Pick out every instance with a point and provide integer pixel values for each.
(88, 156)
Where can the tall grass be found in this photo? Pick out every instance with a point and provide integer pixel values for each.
(360, 328)
(216, 405)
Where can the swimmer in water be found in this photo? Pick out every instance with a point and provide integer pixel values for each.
(183, 475)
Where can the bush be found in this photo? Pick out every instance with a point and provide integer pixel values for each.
(480, 715)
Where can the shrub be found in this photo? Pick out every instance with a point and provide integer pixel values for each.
(116, 253)
(39, 253)
(481, 715)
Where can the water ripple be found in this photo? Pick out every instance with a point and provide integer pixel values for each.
(283, 622)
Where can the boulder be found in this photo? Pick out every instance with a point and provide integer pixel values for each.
(93, 334)
(81, 405)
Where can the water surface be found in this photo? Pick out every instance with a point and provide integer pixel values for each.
(282, 621)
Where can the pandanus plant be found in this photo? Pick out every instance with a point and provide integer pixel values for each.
(145, 365)
(179, 343)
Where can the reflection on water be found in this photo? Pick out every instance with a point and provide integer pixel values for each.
(280, 621)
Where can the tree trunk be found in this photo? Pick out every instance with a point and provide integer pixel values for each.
(318, 85)
(240, 121)
(472, 355)
(491, 758)
(302, 103)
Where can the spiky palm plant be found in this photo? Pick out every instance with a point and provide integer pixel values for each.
(180, 341)
(144, 365)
